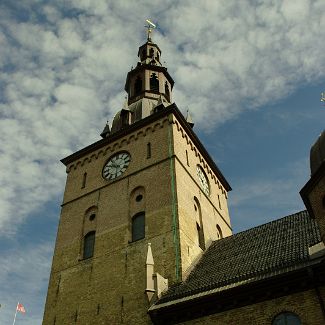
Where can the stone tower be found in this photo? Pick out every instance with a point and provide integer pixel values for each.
(313, 193)
(148, 180)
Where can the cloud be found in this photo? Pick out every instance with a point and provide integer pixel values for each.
(243, 55)
(64, 67)
(23, 277)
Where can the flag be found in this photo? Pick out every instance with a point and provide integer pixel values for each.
(21, 308)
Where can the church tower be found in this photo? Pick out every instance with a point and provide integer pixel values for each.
(313, 193)
(147, 182)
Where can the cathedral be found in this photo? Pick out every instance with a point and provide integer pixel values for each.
(145, 236)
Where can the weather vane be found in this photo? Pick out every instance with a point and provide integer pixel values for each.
(322, 97)
(149, 27)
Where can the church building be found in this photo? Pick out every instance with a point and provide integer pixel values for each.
(145, 235)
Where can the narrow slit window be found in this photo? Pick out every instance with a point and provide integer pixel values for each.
(58, 287)
(219, 232)
(187, 161)
(76, 316)
(219, 202)
(200, 236)
(84, 180)
(167, 93)
(148, 150)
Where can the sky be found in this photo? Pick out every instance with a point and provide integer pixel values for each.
(250, 72)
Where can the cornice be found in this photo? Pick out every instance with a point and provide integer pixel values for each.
(148, 44)
(149, 67)
(239, 294)
(113, 137)
(141, 128)
(203, 155)
(202, 161)
(114, 145)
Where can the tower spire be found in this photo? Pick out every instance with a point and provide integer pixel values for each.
(149, 79)
(148, 85)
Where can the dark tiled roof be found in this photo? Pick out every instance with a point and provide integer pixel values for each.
(261, 251)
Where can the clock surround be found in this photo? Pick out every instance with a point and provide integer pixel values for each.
(116, 165)
(204, 183)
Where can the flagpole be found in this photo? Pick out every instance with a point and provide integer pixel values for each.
(15, 315)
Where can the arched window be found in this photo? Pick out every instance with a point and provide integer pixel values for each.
(137, 86)
(154, 82)
(89, 244)
(199, 224)
(138, 226)
(167, 91)
(286, 318)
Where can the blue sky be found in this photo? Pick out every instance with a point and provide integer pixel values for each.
(251, 73)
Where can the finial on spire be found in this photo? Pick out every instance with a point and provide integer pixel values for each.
(149, 27)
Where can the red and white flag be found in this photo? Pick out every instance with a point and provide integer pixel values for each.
(21, 308)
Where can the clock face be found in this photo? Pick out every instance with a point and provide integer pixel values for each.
(116, 165)
(203, 180)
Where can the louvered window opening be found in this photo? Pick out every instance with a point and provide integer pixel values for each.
(154, 83)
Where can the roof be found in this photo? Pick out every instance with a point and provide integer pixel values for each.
(261, 252)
